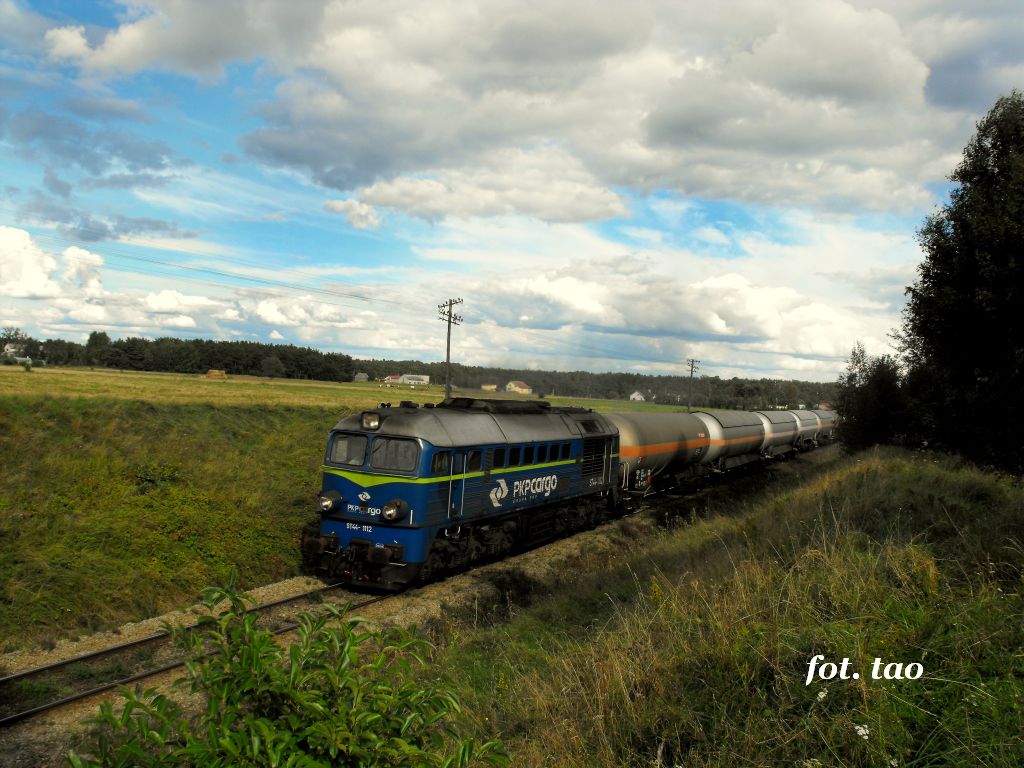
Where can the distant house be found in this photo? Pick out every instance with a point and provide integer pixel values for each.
(413, 378)
(519, 387)
(488, 387)
(637, 396)
(12, 350)
(391, 381)
(825, 405)
(361, 377)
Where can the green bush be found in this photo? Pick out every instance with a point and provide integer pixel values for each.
(341, 696)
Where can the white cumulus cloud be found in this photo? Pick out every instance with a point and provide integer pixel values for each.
(65, 43)
(25, 269)
(82, 269)
(171, 301)
(359, 215)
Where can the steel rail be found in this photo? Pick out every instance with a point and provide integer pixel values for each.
(19, 716)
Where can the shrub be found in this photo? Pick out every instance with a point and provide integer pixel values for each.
(341, 696)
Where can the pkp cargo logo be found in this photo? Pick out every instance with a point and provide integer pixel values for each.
(499, 492)
(364, 496)
(534, 485)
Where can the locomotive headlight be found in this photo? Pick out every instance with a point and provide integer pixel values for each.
(371, 420)
(328, 501)
(393, 510)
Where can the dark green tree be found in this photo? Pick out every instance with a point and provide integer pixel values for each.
(272, 367)
(963, 329)
(60, 352)
(871, 400)
(12, 335)
(131, 354)
(96, 348)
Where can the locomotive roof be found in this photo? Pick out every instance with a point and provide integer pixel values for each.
(470, 421)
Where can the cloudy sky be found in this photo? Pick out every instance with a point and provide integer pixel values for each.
(608, 186)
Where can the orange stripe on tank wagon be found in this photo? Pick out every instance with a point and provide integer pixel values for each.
(653, 448)
(753, 440)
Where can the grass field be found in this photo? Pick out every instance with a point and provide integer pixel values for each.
(250, 390)
(124, 494)
(694, 651)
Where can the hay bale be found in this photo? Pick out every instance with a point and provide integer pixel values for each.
(213, 373)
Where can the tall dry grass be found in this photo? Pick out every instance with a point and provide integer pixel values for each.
(703, 660)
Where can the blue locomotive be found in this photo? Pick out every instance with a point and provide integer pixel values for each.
(412, 492)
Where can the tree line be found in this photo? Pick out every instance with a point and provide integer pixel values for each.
(701, 392)
(957, 380)
(285, 361)
(186, 356)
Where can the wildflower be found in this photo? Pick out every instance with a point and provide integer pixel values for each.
(894, 763)
(862, 731)
(822, 694)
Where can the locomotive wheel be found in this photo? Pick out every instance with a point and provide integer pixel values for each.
(432, 568)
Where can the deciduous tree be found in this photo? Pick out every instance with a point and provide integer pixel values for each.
(963, 327)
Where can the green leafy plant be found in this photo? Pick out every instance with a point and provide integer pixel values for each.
(342, 695)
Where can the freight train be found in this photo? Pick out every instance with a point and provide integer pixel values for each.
(411, 492)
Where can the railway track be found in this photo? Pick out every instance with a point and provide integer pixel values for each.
(32, 692)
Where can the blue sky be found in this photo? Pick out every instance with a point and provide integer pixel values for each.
(607, 188)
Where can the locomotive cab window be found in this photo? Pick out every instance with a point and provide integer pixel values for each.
(542, 454)
(528, 454)
(473, 461)
(394, 454)
(441, 463)
(565, 451)
(499, 458)
(513, 456)
(348, 449)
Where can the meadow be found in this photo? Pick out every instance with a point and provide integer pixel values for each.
(123, 494)
(694, 650)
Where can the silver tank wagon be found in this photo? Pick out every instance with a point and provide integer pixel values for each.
(651, 444)
(780, 432)
(809, 424)
(736, 438)
(829, 422)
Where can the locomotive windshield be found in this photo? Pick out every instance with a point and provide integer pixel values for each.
(348, 449)
(394, 454)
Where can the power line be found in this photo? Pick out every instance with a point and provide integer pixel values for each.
(263, 281)
(113, 251)
(693, 369)
(445, 313)
(276, 288)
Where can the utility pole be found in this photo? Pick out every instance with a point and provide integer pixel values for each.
(444, 312)
(693, 367)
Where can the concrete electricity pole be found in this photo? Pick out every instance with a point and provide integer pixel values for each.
(693, 367)
(445, 313)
